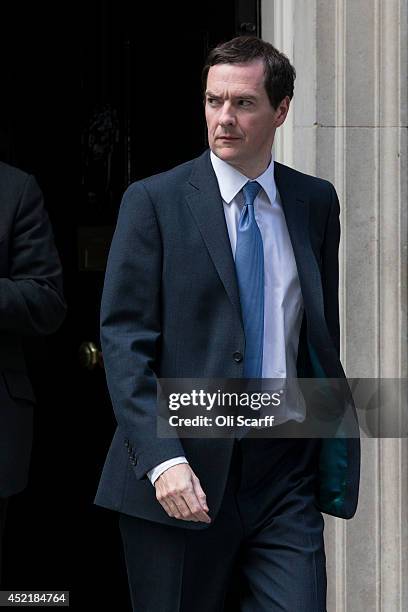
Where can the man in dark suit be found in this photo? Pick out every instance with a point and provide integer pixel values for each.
(225, 267)
(31, 303)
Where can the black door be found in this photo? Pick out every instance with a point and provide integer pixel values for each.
(93, 98)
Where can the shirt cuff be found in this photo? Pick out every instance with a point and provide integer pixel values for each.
(154, 473)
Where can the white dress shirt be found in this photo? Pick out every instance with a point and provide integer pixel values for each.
(283, 303)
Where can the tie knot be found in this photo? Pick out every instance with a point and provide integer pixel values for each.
(250, 191)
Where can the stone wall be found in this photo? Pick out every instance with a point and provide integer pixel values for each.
(348, 123)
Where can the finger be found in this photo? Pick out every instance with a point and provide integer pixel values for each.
(174, 508)
(183, 509)
(165, 501)
(170, 499)
(201, 496)
(166, 508)
(195, 507)
(178, 509)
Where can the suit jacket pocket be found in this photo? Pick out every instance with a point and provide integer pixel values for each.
(18, 385)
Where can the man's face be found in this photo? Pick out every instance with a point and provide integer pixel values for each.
(240, 119)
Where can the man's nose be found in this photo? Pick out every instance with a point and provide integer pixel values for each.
(227, 116)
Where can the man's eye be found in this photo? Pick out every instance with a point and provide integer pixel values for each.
(245, 102)
(212, 101)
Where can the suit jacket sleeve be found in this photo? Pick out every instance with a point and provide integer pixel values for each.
(330, 270)
(131, 328)
(31, 298)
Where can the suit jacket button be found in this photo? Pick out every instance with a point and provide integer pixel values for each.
(237, 356)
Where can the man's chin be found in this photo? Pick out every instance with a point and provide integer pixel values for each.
(226, 153)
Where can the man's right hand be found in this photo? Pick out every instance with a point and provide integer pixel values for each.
(179, 491)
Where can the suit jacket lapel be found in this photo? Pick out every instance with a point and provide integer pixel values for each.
(296, 209)
(205, 202)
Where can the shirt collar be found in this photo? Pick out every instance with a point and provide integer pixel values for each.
(231, 181)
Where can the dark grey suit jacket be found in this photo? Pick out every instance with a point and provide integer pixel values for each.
(170, 309)
(31, 303)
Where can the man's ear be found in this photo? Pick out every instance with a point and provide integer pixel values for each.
(282, 111)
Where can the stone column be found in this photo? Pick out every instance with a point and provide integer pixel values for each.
(348, 123)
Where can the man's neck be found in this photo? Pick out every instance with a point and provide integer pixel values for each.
(251, 171)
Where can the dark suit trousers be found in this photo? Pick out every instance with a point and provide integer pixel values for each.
(3, 508)
(263, 553)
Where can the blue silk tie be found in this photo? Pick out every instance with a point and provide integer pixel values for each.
(249, 264)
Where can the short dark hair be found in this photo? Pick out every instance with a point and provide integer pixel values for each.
(279, 72)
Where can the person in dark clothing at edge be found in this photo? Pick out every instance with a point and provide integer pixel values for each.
(31, 303)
